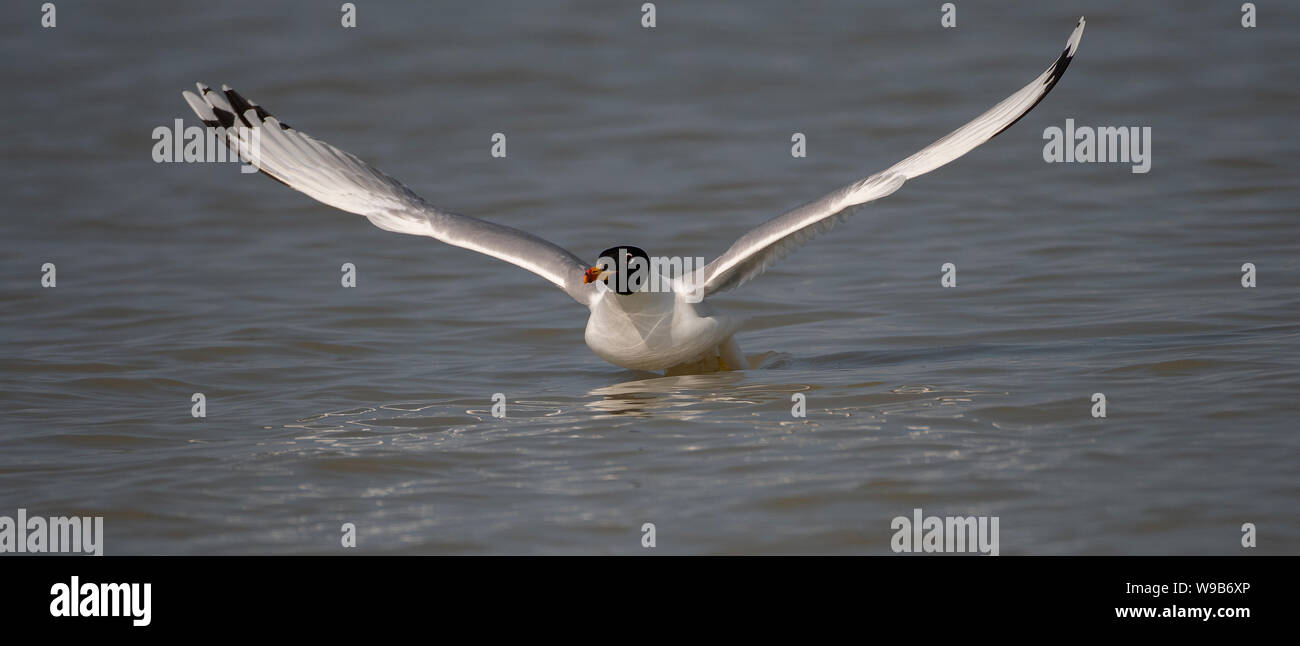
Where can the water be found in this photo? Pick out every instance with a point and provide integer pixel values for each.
(372, 405)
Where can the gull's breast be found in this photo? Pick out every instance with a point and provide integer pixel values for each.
(653, 331)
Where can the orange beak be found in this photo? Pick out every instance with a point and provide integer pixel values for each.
(592, 275)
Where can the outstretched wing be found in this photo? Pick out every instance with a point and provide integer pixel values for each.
(342, 181)
(772, 240)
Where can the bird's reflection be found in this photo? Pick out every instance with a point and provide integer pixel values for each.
(685, 397)
(714, 396)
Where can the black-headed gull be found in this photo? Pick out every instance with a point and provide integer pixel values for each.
(670, 328)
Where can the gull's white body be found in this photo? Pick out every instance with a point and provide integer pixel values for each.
(644, 330)
(660, 330)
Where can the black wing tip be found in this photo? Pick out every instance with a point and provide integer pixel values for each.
(1053, 75)
(226, 119)
(239, 103)
(1058, 69)
(241, 106)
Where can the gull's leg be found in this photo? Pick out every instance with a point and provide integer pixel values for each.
(730, 355)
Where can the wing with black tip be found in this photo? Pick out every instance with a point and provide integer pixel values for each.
(342, 181)
(772, 240)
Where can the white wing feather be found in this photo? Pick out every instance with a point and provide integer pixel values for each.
(772, 240)
(342, 181)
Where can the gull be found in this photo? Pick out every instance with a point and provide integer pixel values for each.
(671, 327)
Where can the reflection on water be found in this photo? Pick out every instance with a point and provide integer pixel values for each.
(715, 397)
(682, 397)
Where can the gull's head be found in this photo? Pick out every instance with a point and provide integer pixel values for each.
(626, 265)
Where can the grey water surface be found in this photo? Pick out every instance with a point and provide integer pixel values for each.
(372, 405)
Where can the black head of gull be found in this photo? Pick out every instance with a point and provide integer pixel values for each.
(628, 266)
